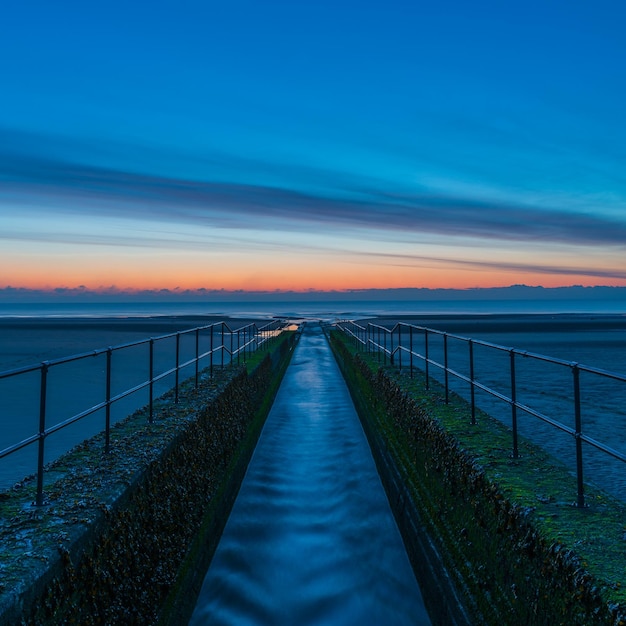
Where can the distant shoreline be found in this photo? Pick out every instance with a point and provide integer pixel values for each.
(510, 322)
(167, 324)
(401, 304)
(486, 322)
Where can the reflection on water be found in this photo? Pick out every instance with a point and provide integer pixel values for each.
(311, 538)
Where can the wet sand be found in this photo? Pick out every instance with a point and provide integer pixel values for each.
(27, 341)
(75, 386)
(592, 339)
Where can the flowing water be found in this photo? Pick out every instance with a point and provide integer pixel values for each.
(311, 538)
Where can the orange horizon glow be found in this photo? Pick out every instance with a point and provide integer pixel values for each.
(120, 271)
(449, 279)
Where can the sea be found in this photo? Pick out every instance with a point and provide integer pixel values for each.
(307, 307)
(588, 333)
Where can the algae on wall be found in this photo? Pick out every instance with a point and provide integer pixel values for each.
(506, 568)
(119, 526)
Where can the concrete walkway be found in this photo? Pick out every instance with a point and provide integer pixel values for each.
(311, 538)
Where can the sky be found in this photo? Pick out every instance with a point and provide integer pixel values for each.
(282, 145)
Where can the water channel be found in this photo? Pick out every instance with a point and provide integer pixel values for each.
(311, 538)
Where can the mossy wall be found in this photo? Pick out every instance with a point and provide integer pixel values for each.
(470, 545)
(126, 567)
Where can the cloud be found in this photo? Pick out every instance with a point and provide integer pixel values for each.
(537, 268)
(76, 187)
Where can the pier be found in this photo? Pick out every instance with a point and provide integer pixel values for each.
(268, 490)
(311, 538)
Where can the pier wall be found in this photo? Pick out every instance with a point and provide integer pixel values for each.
(120, 535)
(479, 555)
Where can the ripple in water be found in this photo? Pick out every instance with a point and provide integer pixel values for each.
(311, 538)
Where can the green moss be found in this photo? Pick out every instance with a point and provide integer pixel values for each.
(116, 527)
(181, 599)
(506, 528)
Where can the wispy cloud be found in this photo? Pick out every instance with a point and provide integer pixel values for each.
(114, 193)
(533, 267)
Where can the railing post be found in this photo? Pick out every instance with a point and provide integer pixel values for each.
(513, 404)
(151, 418)
(107, 421)
(400, 347)
(445, 366)
(426, 368)
(223, 346)
(580, 502)
(42, 432)
(211, 353)
(472, 390)
(177, 366)
(238, 344)
(411, 350)
(385, 347)
(197, 355)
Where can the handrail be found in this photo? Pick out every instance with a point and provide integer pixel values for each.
(254, 338)
(373, 338)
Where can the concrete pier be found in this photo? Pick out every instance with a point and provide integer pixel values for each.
(311, 538)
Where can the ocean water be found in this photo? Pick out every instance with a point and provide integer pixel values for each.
(344, 307)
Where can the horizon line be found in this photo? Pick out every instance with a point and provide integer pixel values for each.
(17, 294)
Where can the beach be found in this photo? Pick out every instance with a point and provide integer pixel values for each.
(592, 339)
(25, 341)
(572, 343)
(75, 386)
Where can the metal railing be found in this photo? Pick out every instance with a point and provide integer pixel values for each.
(398, 346)
(225, 344)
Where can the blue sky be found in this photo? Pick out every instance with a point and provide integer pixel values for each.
(327, 145)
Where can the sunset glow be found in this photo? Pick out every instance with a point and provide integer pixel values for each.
(322, 147)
